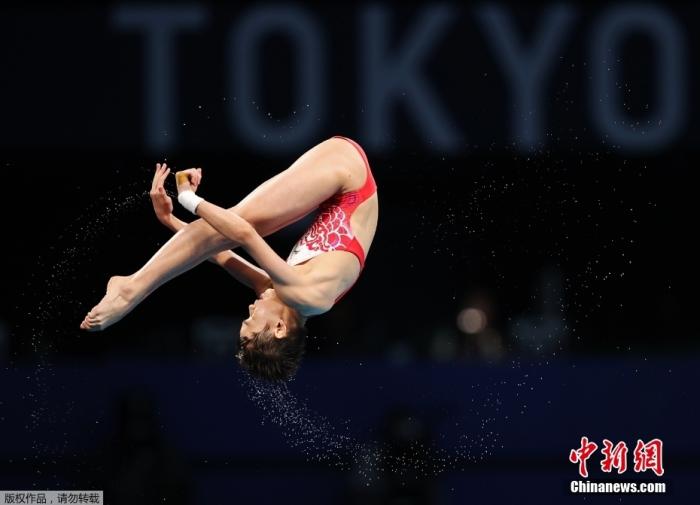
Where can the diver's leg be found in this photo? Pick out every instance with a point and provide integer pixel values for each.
(287, 197)
(318, 174)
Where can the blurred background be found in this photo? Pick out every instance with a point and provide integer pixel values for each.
(532, 281)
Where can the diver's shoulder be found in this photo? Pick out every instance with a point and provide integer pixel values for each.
(308, 299)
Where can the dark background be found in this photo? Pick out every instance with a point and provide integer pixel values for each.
(577, 251)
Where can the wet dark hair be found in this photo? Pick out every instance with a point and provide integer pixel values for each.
(271, 358)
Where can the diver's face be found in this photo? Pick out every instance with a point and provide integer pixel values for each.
(267, 310)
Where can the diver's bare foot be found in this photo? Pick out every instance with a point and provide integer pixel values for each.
(116, 303)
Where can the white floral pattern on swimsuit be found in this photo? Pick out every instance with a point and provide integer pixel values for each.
(329, 231)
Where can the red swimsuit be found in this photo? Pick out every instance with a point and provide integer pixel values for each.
(331, 230)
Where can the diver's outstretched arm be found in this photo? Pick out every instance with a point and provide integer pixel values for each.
(237, 229)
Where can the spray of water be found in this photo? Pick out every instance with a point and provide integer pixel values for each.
(49, 309)
(321, 441)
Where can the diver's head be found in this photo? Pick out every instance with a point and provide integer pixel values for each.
(272, 339)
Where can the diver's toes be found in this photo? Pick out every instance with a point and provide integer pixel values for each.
(94, 327)
(89, 322)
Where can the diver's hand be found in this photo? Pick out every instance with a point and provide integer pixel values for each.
(188, 180)
(162, 203)
(187, 183)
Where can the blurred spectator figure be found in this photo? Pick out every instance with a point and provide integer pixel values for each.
(544, 330)
(444, 346)
(404, 431)
(489, 345)
(400, 476)
(480, 339)
(167, 338)
(4, 343)
(216, 337)
(669, 315)
(136, 466)
(400, 353)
